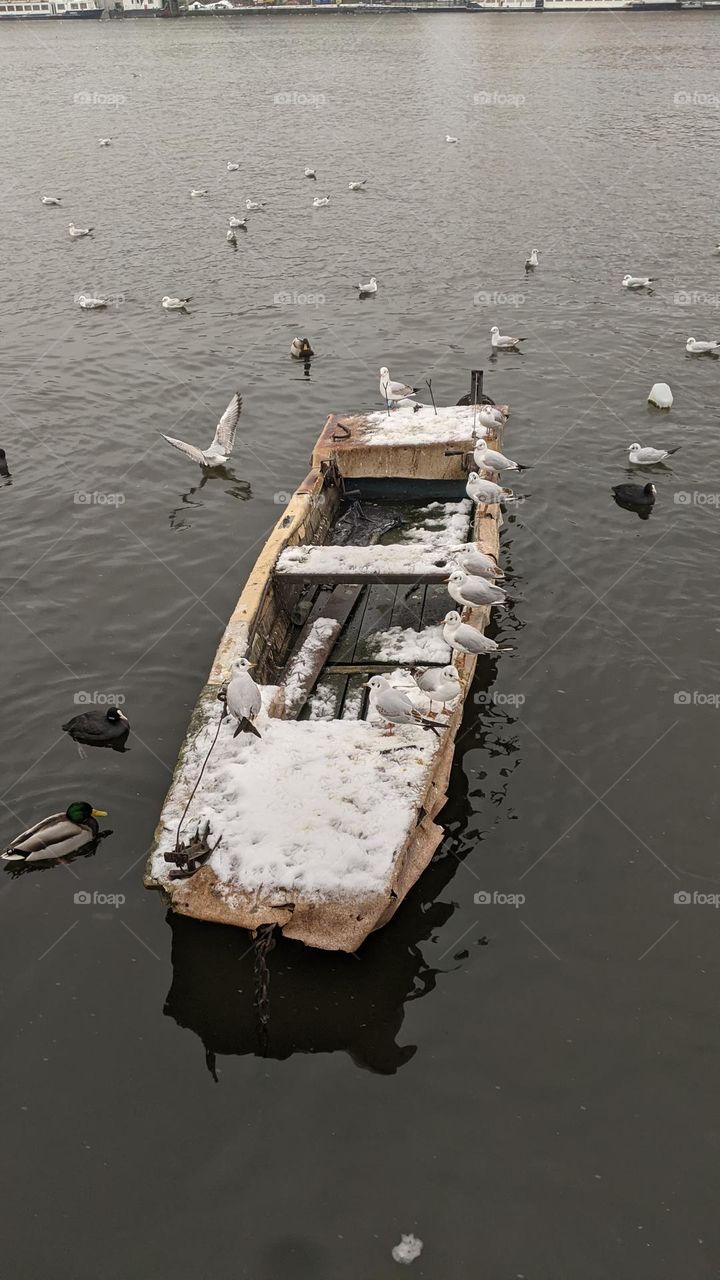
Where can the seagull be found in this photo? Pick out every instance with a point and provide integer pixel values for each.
(251, 205)
(50, 199)
(696, 348)
(532, 262)
(357, 186)
(634, 495)
(240, 223)
(501, 342)
(198, 192)
(466, 639)
(477, 592)
(449, 138)
(310, 173)
(637, 282)
(367, 290)
(484, 491)
(394, 706)
(647, 457)
(223, 440)
(320, 201)
(175, 304)
(104, 142)
(89, 303)
(485, 457)
(77, 232)
(491, 419)
(394, 392)
(441, 686)
(243, 699)
(231, 167)
(476, 562)
(231, 237)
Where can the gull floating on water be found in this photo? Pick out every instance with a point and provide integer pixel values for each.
(365, 290)
(502, 342)
(50, 199)
(696, 348)
(640, 456)
(223, 440)
(77, 232)
(198, 192)
(232, 167)
(104, 142)
(532, 261)
(393, 392)
(637, 282)
(319, 201)
(485, 457)
(243, 699)
(484, 491)
(231, 237)
(466, 639)
(175, 304)
(357, 186)
(240, 223)
(478, 592)
(394, 706)
(449, 138)
(88, 303)
(254, 204)
(310, 173)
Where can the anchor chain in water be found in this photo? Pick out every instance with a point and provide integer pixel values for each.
(264, 942)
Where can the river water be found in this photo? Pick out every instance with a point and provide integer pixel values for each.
(529, 1086)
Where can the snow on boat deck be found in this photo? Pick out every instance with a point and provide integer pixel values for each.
(317, 808)
(403, 426)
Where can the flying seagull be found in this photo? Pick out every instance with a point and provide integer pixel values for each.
(223, 440)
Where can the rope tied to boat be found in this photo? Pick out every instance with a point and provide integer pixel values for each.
(189, 857)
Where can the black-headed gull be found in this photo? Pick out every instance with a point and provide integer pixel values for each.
(104, 142)
(640, 456)
(357, 186)
(485, 457)
(365, 290)
(485, 492)
(394, 707)
(243, 699)
(532, 261)
(440, 685)
(637, 282)
(252, 205)
(449, 138)
(76, 233)
(310, 173)
(175, 304)
(699, 348)
(51, 199)
(476, 562)
(477, 592)
(239, 224)
(391, 391)
(223, 440)
(466, 639)
(502, 341)
(231, 237)
(320, 201)
(232, 167)
(89, 303)
(198, 193)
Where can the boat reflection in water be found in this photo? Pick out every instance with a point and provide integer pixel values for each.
(329, 1001)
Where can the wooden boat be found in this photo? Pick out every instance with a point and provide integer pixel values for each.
(325, 823)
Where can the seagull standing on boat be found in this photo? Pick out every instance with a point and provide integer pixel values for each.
(367, 290)
(647, 457)
(485, 457)
(532, 262)
(502, 341)
(466, 639)
(394, 707)
(223, 440)
(243, 699)
(52, 200)
(485, 491)
(76, 233)
(637, 282)
(476, 562)
(477, 592)
(393, 392)
(441, 686)
(695, 348)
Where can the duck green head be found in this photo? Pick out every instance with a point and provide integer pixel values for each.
(80, 811)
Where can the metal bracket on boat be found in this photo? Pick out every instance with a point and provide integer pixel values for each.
(346, 432)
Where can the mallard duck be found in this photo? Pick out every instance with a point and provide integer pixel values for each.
(100, 728)
(57, 836)
(300, 349)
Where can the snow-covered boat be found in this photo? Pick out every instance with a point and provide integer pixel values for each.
(323, 824)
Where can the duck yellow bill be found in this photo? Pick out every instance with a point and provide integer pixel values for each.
(99, 813)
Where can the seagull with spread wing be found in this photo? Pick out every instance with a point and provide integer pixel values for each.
(223, 440)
